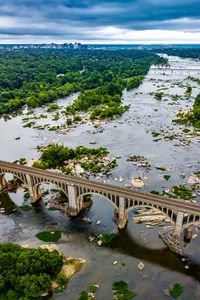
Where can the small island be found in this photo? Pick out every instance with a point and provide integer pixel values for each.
(34, 273)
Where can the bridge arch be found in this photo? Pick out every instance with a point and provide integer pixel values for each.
(20, 177)
(170, 214)
(37, 187)
(103, 195)
(195, 223)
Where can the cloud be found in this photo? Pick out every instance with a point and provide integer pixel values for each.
(93, 19)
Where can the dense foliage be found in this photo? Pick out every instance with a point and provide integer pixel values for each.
(67, 159)
(176, 291)
(121, 291)
(192, 117)
(54, 155)
(185, 52)
(27, 273)
(37, 76)
(196, 111)
(49, 235)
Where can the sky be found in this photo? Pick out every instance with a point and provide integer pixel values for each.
(100, 21)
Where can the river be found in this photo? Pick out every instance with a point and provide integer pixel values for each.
(132, 134)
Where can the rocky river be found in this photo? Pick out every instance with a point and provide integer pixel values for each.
(146, 129)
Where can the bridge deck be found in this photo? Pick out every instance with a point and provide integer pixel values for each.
(175, 204)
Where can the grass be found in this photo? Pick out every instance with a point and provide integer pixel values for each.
(166, 177)
(106, 238)
(25, 207)
(121, 291)
(182, 191)
(49, 236)
(176, 291)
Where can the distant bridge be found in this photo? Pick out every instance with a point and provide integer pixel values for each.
(170, 70)
(181, 213)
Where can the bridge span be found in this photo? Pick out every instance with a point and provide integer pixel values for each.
(181, 213)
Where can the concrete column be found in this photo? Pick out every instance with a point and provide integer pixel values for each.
(179, 224)
(122, 214)
(3, 182)
(73, 203)
(34, 191)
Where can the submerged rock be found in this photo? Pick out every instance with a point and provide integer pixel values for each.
(137, 182)
(141, 266)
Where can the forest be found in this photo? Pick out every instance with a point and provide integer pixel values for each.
(184, 52)
(27, 273)
(35, 77)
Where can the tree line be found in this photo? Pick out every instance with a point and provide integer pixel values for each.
(34, 77)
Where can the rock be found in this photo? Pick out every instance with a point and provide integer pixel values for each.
(87, 220)
(166, 292)
(186, 267)
(188, 233)
(194, 201)
(99, 243)
(137, 182)
(141, 266)
(127, 185)
(194, 236)
(163, 168)
(150, 218)
(193, 180)
(183, 259)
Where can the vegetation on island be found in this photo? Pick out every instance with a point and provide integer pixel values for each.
(121, 291)
(66, 159)
(49, 236)
(90, 294)
(176, 290)
(158, 95)
(106, 238)
(177, 191)
(190, 117)
(182, 191)
(35, 77)
(27, 273)
(184, 52)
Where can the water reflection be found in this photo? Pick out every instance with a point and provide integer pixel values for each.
(6, 204)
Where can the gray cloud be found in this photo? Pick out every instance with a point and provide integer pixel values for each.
(73, 19)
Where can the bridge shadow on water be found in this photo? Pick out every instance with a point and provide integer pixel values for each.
(124, 244)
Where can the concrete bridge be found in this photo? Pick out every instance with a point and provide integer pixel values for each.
(182, 214)
(172, 70)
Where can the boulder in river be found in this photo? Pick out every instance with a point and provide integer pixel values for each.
(137, 182)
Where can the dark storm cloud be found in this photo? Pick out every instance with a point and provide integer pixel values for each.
(78, 18)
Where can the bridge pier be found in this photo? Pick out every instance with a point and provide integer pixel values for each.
(173, 239)
(74, 206)
(34, 190)
(178, 225)
(122, 217)
(3, 182)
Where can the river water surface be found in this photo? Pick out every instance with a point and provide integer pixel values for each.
(132, 134)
